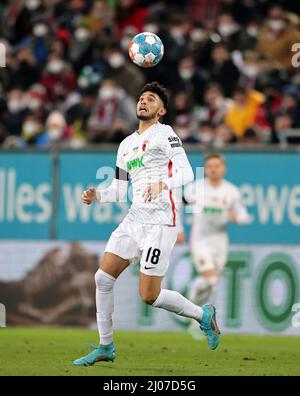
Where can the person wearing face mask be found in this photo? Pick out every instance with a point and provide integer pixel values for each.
(31, 129)
(56, 129)
(58, 79)
(229, 31)
(215, 105)
(12, 118)
(277, 39)
(77, 116)
(35, 101)
(25, 13)
(222, 70)
(40, 41)
(249, 35)
(113, 104)
(130, 13)
(179, 30)
(206, 134)
(189, 79)
(122, 71)
(82, 46)
(250, 69)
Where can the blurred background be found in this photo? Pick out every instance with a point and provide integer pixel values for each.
(67, 98)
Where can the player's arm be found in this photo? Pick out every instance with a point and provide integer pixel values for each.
(116, 192)
(238, 213)
(182, 172)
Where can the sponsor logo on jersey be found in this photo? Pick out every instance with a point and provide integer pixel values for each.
(174, 141)
(211, 210)
(135, 163)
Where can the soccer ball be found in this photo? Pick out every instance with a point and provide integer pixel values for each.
(146, 49)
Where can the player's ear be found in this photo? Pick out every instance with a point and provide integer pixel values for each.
(162, 111)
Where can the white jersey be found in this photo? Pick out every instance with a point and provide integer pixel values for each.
(210, 206)
(147, 157)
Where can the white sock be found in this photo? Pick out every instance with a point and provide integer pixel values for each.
(105, 305)
(174, 302)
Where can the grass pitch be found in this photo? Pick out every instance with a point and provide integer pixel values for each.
(51, 351)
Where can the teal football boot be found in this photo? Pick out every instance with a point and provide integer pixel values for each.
(208, 325)
(100, 353)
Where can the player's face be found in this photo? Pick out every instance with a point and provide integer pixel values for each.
(215, 169)
(149, 107)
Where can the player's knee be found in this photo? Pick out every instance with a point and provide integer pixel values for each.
(211, 278)
(149, 297)
(104, 282)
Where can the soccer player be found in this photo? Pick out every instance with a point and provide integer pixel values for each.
(155, 162)
(214, 202)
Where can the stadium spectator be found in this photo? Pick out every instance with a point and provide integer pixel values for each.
(290, 105)
(59, 79)
(35, 101)
(56, 129)
(277, 38)
(59, 52)
(223, 71)
(32, 131)
(122, 72)
(282, 123)
(229, 31)
(241, 114)
(81, 48)
(114, 114)
(78, 115)
(215, 105)
(189, 79)
(204, 135)
(13, 114)
(250, 138)
(22, 69)
(181, 116)
(223, 136)
(130, 13)
(250, 70)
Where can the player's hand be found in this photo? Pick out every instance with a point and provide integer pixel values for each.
(153, 191)
(232, 216)
(180, 238)
(89, 196)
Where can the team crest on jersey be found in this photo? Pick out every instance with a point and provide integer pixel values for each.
(135, 150)
(145, 145)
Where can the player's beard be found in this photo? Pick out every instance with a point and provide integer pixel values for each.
(146, 117)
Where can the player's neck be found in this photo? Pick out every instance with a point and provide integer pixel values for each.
(216, 183)
(145, 124)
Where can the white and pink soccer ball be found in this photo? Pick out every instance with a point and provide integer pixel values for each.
(146, 49)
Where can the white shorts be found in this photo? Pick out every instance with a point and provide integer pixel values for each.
(210, 253)
(149, 244)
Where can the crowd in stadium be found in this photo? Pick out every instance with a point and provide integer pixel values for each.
(228, 65)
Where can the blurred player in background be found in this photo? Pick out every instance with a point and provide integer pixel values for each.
(155, 162)
(214, 203)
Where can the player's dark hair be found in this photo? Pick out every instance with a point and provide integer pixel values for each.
(215, 156)
(159, 90)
